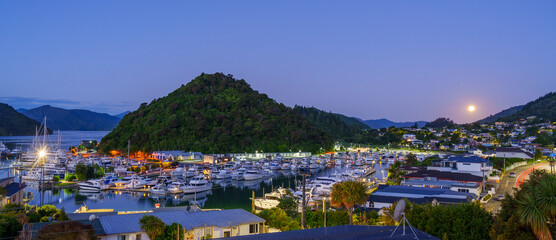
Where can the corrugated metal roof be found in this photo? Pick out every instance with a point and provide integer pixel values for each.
(189, 220)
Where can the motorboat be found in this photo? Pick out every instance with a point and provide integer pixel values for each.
(252, 175)
(197, 184)
(93, 185)
(175, 187)
(159, 189)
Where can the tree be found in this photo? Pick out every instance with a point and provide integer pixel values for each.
(152, 225)
(289, 206)
(68, 230)
(9, 226)
(172, 232)
(81, 171)
(538, 154)
(537, 208)
(277, 218)
(411, 159)
(347, 194)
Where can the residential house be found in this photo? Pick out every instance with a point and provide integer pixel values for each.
(14, 191)
(386, 195)
(197, 224)
(513, 152)
(464, 164)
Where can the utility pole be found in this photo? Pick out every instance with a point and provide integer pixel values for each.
(303, 203)
(324, 209)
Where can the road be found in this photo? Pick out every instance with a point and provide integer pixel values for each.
(507, 184)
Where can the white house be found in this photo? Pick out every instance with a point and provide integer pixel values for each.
(513, 152)
(464, 164)
(386, 195)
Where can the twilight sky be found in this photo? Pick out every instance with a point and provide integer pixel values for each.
(401, 60)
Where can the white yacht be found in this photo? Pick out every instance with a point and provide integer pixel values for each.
(270, 200)
(94, 185)
(159, 189)
(197, 184)
(252, 175)
(238, 174)
(175, 187)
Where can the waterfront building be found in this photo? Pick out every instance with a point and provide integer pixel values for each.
(353, 232)
(14, 191)
(386, 195)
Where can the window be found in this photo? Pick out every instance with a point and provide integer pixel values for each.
(463, 190)
(138, 237)
(252, 228)
(371, 204)
(227, 234)
(122, 237)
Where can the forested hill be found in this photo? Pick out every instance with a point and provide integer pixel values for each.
(544, 107)
(215, 113)
(503, 113)
(73, 119)
(13, 123)
(336, 125)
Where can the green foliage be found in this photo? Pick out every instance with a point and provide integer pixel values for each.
(336, 125)
(440, 123)
(520, 214)
(47, 210)
(411, 159)
(152, 225)
(289, 205)
(84, 172)
(34, 217)
(71, 177)
(498, 163)
(55, 178)
(69, 230)
(74, 119)
(216, 113)
(315, 219)
(347, 194)
(395, 174)
(9, 226)
(171, 232)
(544, 107)
(13, 123)
(463, 221)
(277, 218)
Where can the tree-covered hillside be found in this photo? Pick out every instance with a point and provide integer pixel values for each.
(336, 125)
(544, 107)
(13, 123)
(216, 113)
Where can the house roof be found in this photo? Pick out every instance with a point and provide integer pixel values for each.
(441, 200)
(514, 150)
(454, 176)
(4, 180)
(347, 232)
(33, 228)
(14, 188)
(468, 159)
(112, 224)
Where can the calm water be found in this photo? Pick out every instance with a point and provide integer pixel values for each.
(67, 139)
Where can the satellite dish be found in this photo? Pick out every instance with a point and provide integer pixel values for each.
(92, 217)
(400, 208)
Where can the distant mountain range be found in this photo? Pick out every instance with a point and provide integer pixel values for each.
(121, 115)
(13, 123)
(73, 119)
(385, 123)
(543, 107)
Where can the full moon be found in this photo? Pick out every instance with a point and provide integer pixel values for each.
(471, 108)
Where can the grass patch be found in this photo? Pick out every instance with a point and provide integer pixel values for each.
(498, 163)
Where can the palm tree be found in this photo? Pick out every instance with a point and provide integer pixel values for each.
(347, 194)
(537, 207)
(152, 225)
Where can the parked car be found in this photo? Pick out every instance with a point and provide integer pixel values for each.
(512, 174)
(500, 197)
